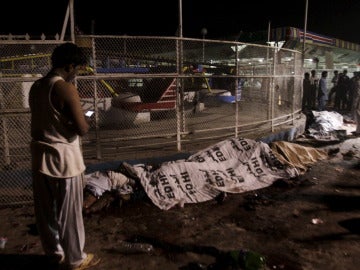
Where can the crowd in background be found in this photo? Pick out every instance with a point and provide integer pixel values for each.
(343, 96)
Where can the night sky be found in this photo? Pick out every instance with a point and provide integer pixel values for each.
(338, 19)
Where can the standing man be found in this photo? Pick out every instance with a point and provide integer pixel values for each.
(342, 91)
(323, 91)
(57, 122)
(334, 81)
(356, 103)
(314, 82)
(306, 99)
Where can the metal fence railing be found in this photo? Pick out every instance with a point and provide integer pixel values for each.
(152, 97)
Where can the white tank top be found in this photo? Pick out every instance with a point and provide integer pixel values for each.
(55, 148)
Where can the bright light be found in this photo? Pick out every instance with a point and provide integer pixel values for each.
(239, 47)
(277, 44)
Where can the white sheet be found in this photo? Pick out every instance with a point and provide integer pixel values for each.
(233, 165)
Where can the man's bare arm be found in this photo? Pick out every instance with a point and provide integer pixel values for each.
(69, 97)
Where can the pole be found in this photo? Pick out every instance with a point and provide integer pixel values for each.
(180, 116)
(72, 22)
(203, 33)
(268, 44)
(304, 35)
(268, 69)
(180, 19)
(203, 49)
(66, 21)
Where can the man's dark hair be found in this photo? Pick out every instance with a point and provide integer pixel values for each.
(67, 54)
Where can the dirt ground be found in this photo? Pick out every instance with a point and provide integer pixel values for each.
(311, 222)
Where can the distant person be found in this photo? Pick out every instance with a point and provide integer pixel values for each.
(306, 99)
(334, 81)
(356, 104)
(342, 91)
(323, 91)
(314, 82)
(351, 91)
(57, 123)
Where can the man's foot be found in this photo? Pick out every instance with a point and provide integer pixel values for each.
(88, 262)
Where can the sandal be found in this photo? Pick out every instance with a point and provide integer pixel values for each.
(88, 262)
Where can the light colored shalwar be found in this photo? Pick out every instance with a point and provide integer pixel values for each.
(57, 170)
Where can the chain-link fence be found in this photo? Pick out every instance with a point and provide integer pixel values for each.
(151, 97)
